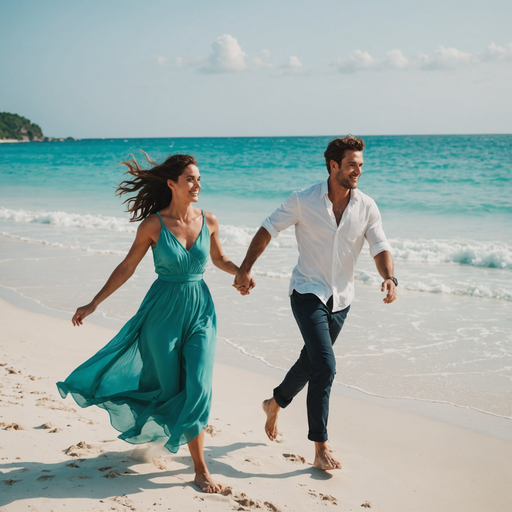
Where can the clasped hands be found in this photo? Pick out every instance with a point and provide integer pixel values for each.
(244, 283)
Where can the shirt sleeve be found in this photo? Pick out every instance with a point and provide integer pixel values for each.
(285, 216)
(375, 234)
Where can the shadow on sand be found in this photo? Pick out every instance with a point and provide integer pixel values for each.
(110, 475)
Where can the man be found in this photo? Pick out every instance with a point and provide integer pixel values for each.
(332, 219)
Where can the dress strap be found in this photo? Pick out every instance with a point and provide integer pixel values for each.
(162, 222)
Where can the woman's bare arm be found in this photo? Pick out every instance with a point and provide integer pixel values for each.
(219, 259)
(147, 234)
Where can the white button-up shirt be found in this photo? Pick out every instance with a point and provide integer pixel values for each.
(328, 252)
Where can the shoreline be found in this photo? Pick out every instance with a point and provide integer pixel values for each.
(473, 419)
(392, 460)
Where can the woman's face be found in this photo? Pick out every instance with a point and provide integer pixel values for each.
(188, 185)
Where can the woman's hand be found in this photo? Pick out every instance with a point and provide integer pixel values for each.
(245, 288)
(81, 313)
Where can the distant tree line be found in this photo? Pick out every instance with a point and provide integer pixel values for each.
(13, 126)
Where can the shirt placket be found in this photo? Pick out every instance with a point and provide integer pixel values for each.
(336, 260)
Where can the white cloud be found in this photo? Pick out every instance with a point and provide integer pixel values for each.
(162, 61)
(293, 64)
(261, 62)
(395, 59)
(227, 56)
(495, 53)
(357, 61)
(443, 58)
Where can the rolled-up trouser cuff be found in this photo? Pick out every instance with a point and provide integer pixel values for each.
(280, 400)
(318, 438)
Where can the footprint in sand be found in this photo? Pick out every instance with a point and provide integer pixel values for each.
(323, 497)
(124, 502)
(112, 474)
(254, 462)
(298, 459)
(77, 450)
(328, 497)
(45, 478)
(11, 482)
(244, 501)
(13, 426)
(211, 430)
(46, 426)
(160, 463)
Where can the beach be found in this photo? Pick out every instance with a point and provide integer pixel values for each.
(55, 455)
(421, 407)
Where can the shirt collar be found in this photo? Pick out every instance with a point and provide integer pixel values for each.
(354, 194)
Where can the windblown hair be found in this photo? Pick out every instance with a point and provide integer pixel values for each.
(152, 193)
(337, 147)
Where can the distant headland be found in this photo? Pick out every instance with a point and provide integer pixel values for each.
(15, 128)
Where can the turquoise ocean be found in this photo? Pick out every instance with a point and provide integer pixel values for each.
(446, 204)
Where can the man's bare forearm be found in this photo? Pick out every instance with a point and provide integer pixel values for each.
(384, 264)
(258, 245)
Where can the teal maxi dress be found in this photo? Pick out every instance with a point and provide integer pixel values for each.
(155, 377)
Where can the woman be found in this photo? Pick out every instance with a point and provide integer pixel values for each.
(154, 378)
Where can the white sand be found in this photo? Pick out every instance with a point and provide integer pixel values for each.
(392, 460)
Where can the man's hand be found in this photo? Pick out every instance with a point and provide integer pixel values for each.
(389, 286)
(244, 283)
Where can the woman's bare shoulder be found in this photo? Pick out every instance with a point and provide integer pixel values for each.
(150, 225)
(211, 221)
(210, 218)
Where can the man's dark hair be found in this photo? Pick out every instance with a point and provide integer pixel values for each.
(337, 147)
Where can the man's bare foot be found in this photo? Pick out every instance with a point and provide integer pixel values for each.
(324, 459)
(271, 409)
(205, 482)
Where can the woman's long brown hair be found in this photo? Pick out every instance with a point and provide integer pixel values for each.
(152, 193)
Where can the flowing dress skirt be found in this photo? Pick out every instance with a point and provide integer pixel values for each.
(155, 377)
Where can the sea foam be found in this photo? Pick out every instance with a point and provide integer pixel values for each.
(470, 252)
(491, 254)
(64, 219)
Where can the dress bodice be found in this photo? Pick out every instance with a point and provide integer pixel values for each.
(172, 259)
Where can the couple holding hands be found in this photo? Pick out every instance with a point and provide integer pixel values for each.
(155, 376)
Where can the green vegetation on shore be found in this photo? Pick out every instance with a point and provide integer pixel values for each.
(13, 126)
(19, 128)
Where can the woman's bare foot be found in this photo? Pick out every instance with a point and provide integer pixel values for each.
(271, 409)
(324, 458)
(205, 482)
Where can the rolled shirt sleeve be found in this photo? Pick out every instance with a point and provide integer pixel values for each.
(375, 234)
(285, 216)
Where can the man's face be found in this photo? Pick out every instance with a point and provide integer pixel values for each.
(347, 173)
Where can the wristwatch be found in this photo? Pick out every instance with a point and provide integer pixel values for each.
(394, 279)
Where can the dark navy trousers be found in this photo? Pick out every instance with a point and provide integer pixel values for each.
(319, 327)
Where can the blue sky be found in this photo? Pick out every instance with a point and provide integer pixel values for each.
(242, 68)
